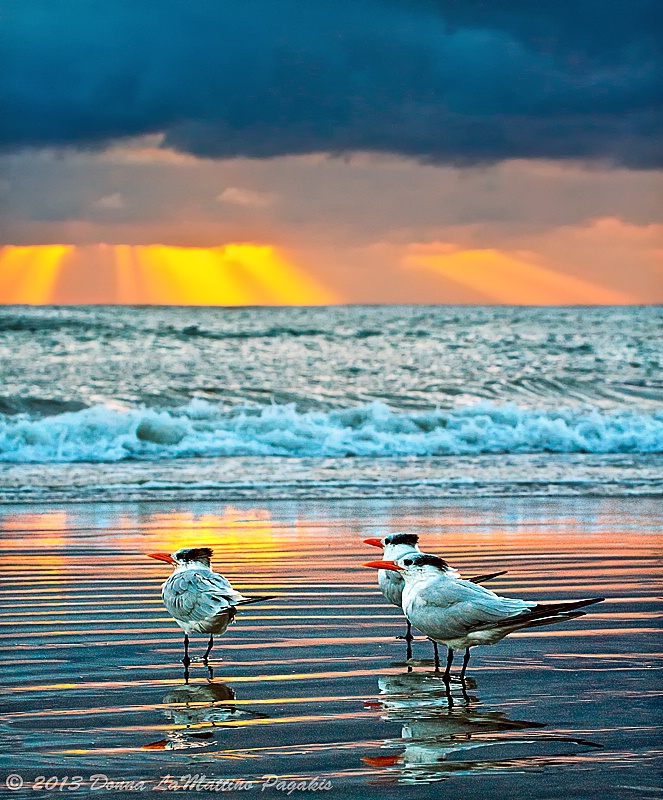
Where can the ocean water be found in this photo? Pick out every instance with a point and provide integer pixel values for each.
(131, 403)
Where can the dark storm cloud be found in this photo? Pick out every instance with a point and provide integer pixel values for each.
(458, 81)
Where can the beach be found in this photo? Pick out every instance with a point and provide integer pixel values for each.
(521, 439)
(313, 685)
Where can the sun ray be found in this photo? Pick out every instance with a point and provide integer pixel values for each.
(13, 263)
(28, 274)
(286, 282)
(232, 275)
(509, 279)
(160, 286)
(204, 277)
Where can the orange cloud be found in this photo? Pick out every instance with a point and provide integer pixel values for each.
(236, 274)
(611, 251)
(508, 277)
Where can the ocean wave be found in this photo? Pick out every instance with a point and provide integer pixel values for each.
(38, 406)
(201, 429)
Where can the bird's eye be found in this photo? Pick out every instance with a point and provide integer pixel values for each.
(408, 563)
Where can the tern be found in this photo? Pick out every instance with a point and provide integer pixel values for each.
(199, 599)
(391, 583)
(461, 614)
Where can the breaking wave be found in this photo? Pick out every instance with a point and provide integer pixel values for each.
(204, 430)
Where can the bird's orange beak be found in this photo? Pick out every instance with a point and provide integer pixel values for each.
(382, 761)
(160, 745)
(374, 542)
(392, 565)
(163, 557)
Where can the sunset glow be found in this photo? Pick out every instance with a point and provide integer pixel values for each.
(506, 278)
(232, 275)
(250, 274)
(28, 274)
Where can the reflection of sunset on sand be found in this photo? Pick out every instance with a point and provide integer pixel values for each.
(225, 531)
(318, 676)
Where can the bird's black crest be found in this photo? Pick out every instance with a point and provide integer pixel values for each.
(194, 554)
(401, 538)
(423, 559)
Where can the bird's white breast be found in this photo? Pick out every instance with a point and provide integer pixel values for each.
(391, 585)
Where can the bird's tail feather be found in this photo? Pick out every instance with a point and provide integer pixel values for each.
(247, 601)
(547, 614)
(554, 620)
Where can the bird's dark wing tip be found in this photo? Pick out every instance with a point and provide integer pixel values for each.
(487, 577)
(256, 599)
(546, 613)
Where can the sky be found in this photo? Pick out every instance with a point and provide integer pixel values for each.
(238, 152)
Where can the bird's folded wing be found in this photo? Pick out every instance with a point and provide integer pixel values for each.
(461, 606)
(473, 615)
(198, 595)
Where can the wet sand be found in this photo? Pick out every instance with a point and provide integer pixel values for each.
(313, 684)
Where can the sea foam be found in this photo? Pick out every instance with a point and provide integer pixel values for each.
(202, 429)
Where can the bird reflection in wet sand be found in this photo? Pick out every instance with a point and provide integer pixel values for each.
(192, 706)
(199, 599)
(437, 730)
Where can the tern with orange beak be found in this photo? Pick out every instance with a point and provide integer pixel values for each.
(461, 614)
(391, 583)
(199, 599)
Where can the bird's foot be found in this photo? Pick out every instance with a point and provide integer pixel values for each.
(463, 679)
(466, 681)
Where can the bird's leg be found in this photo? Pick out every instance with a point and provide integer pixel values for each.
(466, 661)
(450, 658)
(186, 660)
(450, 700)
(437, 656)
(210, 645)
(186, 673)
(408, 639)
(210, 673)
